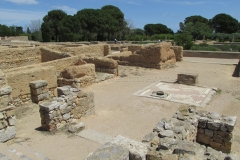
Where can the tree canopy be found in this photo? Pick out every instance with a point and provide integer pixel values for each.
(224, 23)
(151, 29)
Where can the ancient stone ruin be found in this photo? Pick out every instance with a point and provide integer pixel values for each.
(189, 134)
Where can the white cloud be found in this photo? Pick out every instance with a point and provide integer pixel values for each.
(23, 1)
(19, 17)
(67, 9)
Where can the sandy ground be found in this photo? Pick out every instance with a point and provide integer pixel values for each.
(118, 112)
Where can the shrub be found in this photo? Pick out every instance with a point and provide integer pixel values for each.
(184, 40)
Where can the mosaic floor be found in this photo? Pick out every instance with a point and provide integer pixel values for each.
(193, 95)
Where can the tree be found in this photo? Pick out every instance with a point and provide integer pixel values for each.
(198, 30)
(196, 18)
(113, 20)
(184, 40)
(53, 22)
(224, 23)
(4, 30)
(151, 29)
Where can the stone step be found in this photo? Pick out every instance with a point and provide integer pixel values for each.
(18, 151)
(95, 136)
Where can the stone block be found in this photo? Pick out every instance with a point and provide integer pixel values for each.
(148, 138)
(37, 91)
(230, 122)
(11, 121)
(65, 90)
(1, 115)
(188, 79)
(7, 134)
(166, 133)
(10, 113)
(215, 145)
(136, 149)
(4, 100)
(49, 106)
(153, 155)
(203, 138)
(208, 132)
(40, 97)
(38, 84)
(73, 128)
(109, 152)
(66, 116)
(202, 122)
(66, 110)
(214, 124)
(6, 90)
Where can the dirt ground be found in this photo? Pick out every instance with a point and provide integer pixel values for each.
(118, 112)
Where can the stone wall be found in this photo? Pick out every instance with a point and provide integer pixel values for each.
(178, 50)
(19, 57)
(134, 48)
(7, 113)
(70, 104)
(187, 78)
(78, 76)
(152, 56)
(178, 136)
(103, 64)
(39, 91)
(19, 38)
(50, 55)
(211, 54)
(19, 79)
(98, 50)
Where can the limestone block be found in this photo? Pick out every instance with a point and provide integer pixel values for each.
(187, 78)
(166, 133)
(148, 138)
(10, 113)
(11, 121)
(65, 90)
(208, 132)
(1, 115)
(66, 116)
(4, 100)
(7, 134)
(160, 125)
(38, 84)
(6, 90)
(191, 148)
(230, 122)
(63, 106)
(66, 110)
(73, 128)
(167, 143)
(202, 122)
(215, 145)
(40, 97)
(109, 152)
(153, 155)
(203, 138)
(37, 91)
(137, 150)
(214, 124)
(49, 106)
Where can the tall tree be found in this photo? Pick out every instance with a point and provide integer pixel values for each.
(151, 29)
(224, 23)
(53, 21)
(113, 19)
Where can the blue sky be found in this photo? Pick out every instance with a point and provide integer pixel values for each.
(140, 12)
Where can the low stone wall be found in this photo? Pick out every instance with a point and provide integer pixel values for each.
(211, 54)
(20, 78)
(187, 78)
(71, 104)
(152, 56)
(178, 50)
(50, 55)
(19, 57)
(103, 64)
(7, 113)
(134, 48)
(19, 38)
(177, 136)
(77, 82)
(7, 124)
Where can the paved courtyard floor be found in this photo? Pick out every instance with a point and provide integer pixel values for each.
(192, 95)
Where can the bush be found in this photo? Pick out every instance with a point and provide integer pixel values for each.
(184, 40)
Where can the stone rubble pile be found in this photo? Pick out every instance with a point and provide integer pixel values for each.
(70, 104)
(7, 113)
(176, 138)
